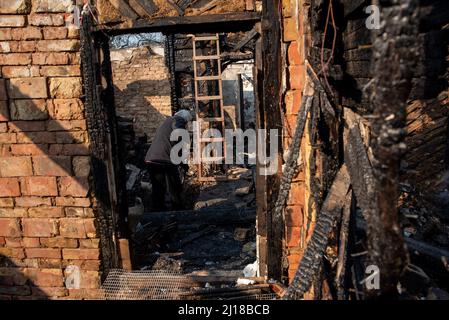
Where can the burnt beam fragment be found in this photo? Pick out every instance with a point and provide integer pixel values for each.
(248, 37)
(223, 22)
(272, 66)
(124, 8)
(309, 267)
(210, 216)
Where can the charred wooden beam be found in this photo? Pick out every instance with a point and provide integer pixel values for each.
(395, 55)
(340, 273)
(248, 37)
(143, 7)
(209, 6)
(261, 180)
(228, 22)
(124, 8)
(310, 264)
(183, 4)
(97, 130)
(212, 216)
(178, 9)
(271, 57)
(359, 166)
(236, 56)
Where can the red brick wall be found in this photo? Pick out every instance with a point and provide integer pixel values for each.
(46, 216)
(142, 88)
(295, 37)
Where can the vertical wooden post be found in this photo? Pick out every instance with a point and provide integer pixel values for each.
(261, 181)
(272, 66)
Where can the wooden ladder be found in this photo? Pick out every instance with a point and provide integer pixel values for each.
(218, 114)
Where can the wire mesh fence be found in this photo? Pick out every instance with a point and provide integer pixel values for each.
(144, 285)
(157, 285)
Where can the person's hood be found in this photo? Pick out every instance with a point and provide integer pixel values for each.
(185, 114)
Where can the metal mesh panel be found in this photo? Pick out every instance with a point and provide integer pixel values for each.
(155, 285)
(144, 285)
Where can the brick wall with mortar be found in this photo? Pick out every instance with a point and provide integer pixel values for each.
(142, 88)
(46, 215)
(295, 38)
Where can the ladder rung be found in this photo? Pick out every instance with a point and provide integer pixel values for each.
(208, 78)
(215, 57)
(205, 98)
(212, 140)
(206, 38)
(216, 119)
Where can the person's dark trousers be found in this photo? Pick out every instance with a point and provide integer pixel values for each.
(159, 175)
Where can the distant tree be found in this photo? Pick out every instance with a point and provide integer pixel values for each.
(135, 40)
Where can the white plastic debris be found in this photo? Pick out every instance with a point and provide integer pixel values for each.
(245, 282)
(251, 270)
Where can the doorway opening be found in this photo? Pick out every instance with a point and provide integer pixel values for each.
(154, 76)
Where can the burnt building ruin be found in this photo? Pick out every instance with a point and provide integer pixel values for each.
(355, 94)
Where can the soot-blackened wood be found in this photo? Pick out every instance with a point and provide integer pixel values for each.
(148, 6)
(124, 8)
(97, 126)
(394, 58)
(117, 152)
(331, 210)
(342, 264)
(229, 22)
(261, 180)
(359, 166)
(248, 37)
(271, 55)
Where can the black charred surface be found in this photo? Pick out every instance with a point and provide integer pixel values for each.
(118, 152)
(271, 46)
(97, 124)
(311, 262)
(394, 57)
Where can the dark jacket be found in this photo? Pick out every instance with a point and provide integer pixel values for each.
(161, 146)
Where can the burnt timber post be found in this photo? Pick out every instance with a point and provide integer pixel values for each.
(394, 59)
(271, 57)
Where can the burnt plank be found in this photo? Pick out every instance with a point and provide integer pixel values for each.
(271, 56)
(143, 7)
(248, 37)
(124, 8)
(137, 8)
(178, 9)
(238, 21)
(359, 166)
(331, 210)
(210, 215)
